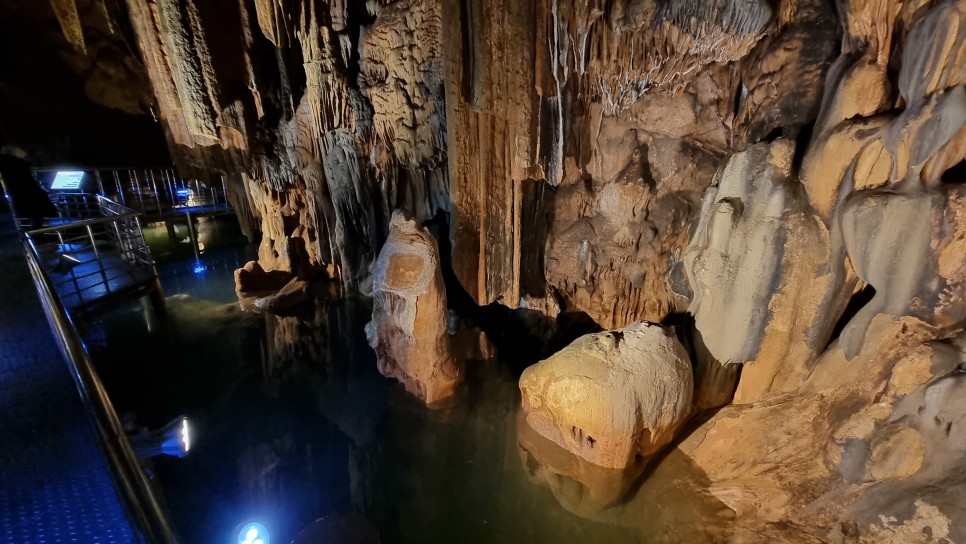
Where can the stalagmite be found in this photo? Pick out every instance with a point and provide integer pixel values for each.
(70, 23)
(409, 319)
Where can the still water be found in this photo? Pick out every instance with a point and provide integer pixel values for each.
(293, 423)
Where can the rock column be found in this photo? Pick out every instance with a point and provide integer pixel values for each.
(409, 318)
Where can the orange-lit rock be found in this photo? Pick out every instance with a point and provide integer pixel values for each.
(409, 319)
(611, 397)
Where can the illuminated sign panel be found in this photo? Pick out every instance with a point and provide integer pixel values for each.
(67, 179)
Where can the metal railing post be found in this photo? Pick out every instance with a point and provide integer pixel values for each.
(137, 185)
(97, 256)
(120, 188)
(100, 183)
(157, 196)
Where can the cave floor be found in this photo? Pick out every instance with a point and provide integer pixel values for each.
(54, 483)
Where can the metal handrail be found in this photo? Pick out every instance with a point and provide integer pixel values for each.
(156, 191)
(129, 478)
(109, 243)
(84, 223)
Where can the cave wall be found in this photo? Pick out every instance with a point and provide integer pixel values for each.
(322, 117)
(72, 89)
(788, 174)
(567, 143)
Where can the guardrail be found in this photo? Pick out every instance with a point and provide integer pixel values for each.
(155, 191)
(91, 259)
(130, 480)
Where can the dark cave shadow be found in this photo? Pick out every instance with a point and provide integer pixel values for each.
(514, 332)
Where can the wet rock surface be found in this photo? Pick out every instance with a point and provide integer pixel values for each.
(611, 397)
(787, 174)
(409, 319)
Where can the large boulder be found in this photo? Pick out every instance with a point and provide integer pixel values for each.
(409, 320)
(610, 397)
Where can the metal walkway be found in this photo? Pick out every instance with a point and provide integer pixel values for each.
(54, 482)
(160, 194)
(95, 254)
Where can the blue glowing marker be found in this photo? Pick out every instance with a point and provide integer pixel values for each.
(253, 533)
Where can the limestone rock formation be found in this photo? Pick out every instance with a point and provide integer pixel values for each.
(610, 240)
(755, 265)
(850, 430)
(409, 318)
(526, 127)
(788, 172)
(252, 279)
(611, 397)
(293, 293)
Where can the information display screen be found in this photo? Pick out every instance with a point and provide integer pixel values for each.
(67, 180)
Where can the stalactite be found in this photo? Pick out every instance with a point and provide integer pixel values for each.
(190, 65)
(70, 23)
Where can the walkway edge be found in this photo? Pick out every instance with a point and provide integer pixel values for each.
(129, 478)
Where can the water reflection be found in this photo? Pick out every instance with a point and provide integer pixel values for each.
(294, 426)
(581, 487)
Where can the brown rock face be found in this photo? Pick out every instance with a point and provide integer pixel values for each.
(754, 266)
(409, 318)
(628, 160)
(611, 397)
(838, 440)
(527, 126)
(252, 278)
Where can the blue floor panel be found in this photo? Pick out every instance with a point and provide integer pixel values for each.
(54, 483)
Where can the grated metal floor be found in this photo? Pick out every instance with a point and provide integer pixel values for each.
(54, 484)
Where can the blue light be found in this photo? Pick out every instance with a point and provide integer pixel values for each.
(253, 533)
(177, 440)
(199, 268)
(183, 192)
(173, 439)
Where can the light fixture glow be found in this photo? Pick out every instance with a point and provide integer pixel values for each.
(253, 533)
(173, 439)
(184, 435)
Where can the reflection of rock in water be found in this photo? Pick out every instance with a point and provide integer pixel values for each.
(295, 339)
(668, 503)
(324, 348)
(579, 486)
(353, 395)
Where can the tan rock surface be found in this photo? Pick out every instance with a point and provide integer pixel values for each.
(629, 160)
(409, 318)
(611, 397)
(754, 263)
